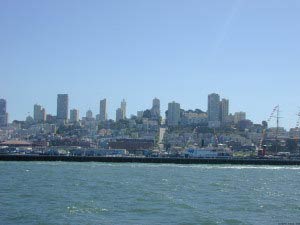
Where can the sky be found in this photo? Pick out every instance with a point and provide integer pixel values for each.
(246, 50)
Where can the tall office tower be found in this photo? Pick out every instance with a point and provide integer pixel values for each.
(89, 114)
(173, 114)
(62, 106)
(103, 110)
(3, 113)
(43, 115)
(119, 115)
(213, 110)
(39, 114)
(224, 110)
(213, 107)
(155, 110)
(2, 106)
(36, 112)
(123, 108)
(74, 115)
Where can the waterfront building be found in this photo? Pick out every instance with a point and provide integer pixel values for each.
(155, 110)
(133, 146)
(119, 115)
(173, 116)
(239, 116)
(224, 110)
(62, 106)
(39, 114)
(124, 108)
(3, 113)
(74, 115)
(103, 110)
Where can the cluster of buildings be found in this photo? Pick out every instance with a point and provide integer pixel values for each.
(147, 132)
(217, 114)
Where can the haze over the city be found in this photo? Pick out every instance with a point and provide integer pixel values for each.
(247, 51)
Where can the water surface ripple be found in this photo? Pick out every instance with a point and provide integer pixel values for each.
(99, 193)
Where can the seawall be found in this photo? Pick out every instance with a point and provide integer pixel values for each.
(150, 160)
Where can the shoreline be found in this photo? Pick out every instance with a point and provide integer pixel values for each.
(271, 162)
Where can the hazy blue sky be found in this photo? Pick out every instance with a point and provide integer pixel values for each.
(245, 50)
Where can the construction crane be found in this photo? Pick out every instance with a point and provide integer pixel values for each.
(297, 131)
(298, 122)
(274, 114)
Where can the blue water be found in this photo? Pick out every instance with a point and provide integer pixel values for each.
(99, 193)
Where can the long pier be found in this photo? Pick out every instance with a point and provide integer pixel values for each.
(233, 161)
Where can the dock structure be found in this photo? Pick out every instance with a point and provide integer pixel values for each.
(233, 161)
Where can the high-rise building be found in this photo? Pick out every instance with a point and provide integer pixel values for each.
(36, 112)
(155, 110)
(2, 106)
(119, 115)
(124, 108)
(173, 114)
(213, 110)
(62, 106)
(39, 114)
(74, 115)
(3, 113)
(224, 110)
(89, 114)
(239, 116)
(103, 110)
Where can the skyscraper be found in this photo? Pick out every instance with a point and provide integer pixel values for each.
(2, 106)
(3, 113)
(173, 114)
(62, 106)
(123, 108)
(103, 110)
(39, 114)
(224, 110)
(74, 115)
(213, 110)
(155, 110)
(119, 115)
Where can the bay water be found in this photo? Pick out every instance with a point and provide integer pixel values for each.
(104, 193)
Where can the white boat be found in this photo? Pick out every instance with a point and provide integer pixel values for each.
(221, 151)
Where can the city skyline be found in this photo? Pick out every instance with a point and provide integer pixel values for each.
(150, 112)
(247, 51)
(215, 116)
